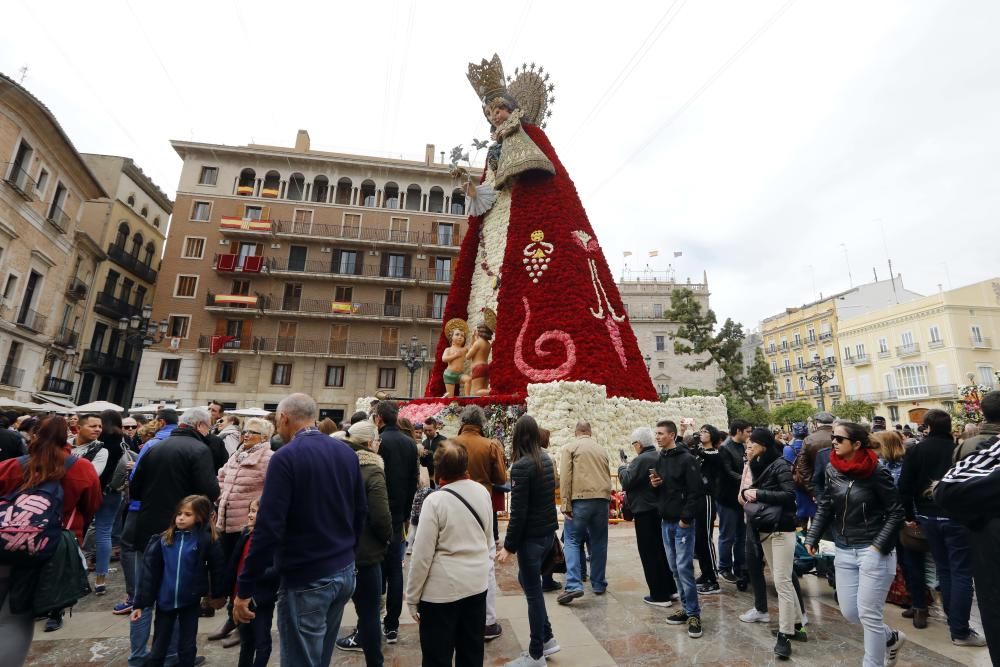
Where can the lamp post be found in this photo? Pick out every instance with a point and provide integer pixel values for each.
(142, 334)
(413, 357)
(820, 374)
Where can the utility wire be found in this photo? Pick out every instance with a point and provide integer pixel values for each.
(643, 145)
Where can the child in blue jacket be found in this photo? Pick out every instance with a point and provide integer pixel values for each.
(177, 567)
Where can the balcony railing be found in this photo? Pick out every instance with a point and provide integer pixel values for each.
(58, 385)
(811, 340)
(796, 344)
(374, 270)
(884, 354)
(770, 350)
(105, 364)
(31, 319)
(67, 338)
(232, 263)
(347, 348)
(355, 309)
(12, 376)
(908, 350)
(115, 308)
(981, 343)
(18, 179)
(122, 258)
(343, 232)
(77, 290)
(860, 360)
(58, 219)
(907, 393)
(826, 335)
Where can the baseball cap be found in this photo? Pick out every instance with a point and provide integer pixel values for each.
(823, 417)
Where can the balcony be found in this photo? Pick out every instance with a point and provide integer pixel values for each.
(105, 364)
(356, 310)
(12, 376)
(306, 347)
(246, 226)
(343, 232)
(909, 393)
(115, 308)
(908, 350)
(796, 344)
(139, 269)
(77, 290)
(826, 335)
(860, 360)
(67, 338)
(230, 263)
(884, 354)
(810, 340)
(58, 386)
(328, 269)
(31, 319)
(979, 343)
(770, 350)
(232, 300)
(19, 180)
(58, 219)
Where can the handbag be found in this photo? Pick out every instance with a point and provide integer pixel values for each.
(913, 539)
(627, 513)
(762, 517)
(555, 560)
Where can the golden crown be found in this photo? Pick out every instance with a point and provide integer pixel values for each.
(530, 88)
(487, 78)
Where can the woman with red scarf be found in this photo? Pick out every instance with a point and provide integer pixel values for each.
(863, 506)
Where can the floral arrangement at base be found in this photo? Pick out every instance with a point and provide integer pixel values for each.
(968, 409)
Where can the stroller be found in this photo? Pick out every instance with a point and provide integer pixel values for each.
(820, 565)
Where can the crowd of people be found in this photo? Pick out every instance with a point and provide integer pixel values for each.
(292, 517)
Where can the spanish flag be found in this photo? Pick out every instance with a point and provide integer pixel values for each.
(654, 253)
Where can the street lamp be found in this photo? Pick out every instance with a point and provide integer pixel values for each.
(413, 357)
(821, 374)
(649, 360)
(142, 334)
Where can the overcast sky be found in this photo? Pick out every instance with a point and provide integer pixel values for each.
(754, 137)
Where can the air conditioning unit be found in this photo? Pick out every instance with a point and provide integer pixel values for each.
(223, 242)
(175, 343)
(373, 253)
(326, 250)
(421, 256)
(275, 246)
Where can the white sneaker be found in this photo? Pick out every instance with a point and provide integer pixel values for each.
(805, 620)
(972, 639)
(550, 647)
(525, 660)
(892, 647)
(754, 616)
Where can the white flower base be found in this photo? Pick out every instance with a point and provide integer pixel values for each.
(558, 406)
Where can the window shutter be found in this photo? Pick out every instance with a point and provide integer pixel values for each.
(407, 265)
(384, 264)
(335, 262)
(220, 327)
(359, 262)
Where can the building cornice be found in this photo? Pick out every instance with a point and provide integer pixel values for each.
(133, 171)
(937, 309)
(86, 240)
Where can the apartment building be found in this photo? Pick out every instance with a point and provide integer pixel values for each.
(289, 269)
(646, 295)
(911, 357)
(48, 261)
(802, 342)
(130, 227)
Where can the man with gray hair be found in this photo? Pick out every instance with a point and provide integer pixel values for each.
(634, 478)
(312, 515)
(176, 467)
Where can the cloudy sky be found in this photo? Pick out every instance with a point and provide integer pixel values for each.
(786, 148)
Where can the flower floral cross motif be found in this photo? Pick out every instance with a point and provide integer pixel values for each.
(536, 255)
(589, 245)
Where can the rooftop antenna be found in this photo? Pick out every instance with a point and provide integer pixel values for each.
(847, 260)
(892, 277)
(23, 71)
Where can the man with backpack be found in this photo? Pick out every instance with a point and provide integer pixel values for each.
(805, 506)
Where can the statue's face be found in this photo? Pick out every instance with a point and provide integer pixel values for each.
(458, 337)
(498, 115)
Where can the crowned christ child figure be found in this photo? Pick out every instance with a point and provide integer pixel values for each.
(478, 383)
(531, 257)
(454, 356)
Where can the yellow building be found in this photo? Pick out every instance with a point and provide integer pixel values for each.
(912, 357)
(801, 342)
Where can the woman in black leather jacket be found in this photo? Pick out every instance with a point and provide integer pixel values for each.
(863, 504)
(772, 485)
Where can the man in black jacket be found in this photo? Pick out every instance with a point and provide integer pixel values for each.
(732, 529)
(179, 466)
(399, 453)
(642, 500)
(679, 488)
(924, 464)
(429, 444)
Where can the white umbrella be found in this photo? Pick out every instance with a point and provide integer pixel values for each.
(52, 407)
(98, 406)
(17, 405)
(248, 412)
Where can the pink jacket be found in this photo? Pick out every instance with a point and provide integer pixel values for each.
(240, 483)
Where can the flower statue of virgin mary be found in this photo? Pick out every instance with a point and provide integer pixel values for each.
(531, 257)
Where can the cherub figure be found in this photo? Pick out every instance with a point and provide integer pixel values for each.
(454, 356)
(478, 384)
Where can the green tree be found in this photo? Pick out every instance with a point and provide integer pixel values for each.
(855, 411)
(789, 413)
(696, 334)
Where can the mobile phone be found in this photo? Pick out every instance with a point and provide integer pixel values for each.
(652, 471)
(621, 454)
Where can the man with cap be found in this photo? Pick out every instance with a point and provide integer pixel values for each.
(430, 442)
(805, 465)
(878, 424)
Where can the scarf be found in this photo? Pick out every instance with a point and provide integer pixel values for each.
(861, 465)
(242, 454)
(760, 463)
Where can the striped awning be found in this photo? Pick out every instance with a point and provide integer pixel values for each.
(245, 224)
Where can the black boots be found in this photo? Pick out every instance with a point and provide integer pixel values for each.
(783, 647)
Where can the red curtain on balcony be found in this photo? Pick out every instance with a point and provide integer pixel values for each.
(226, 263)
(252, 264)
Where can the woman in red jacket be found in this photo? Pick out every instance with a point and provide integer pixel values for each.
(82, 496)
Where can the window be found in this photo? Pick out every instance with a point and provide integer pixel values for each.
(334, 376)
(169, 370)
(907, 339)
(58, 202)
(860, 349)
(802, 383)
(847, 352)
(343, 294)
(657, 310)
(292, 297)
(303, 216)
(194, 247)
(43, 180)
(209, 176)
(225, 371)
(297, 257)
(387, 378)
(339, 334)
(395, 266)
(200, 211)
(800, 362)
(774, 367)
(661, 364)
(798, 338)
(8, 289)
(185, 287)
(935, 335)
(883, 345)
(178, 326)
(241, 287)
(788, 365)
(131, 200)
(784, 343)
(348, 262)
(281, 374)
(661, 343)
(811, 335)
(911, 380)
(977, 334)
(985, 375)
(445, 233)
(438, 303)
(894, 413)
(145, 212)
(393, 303)
(442, 269)
(788, 385)
(253, 213)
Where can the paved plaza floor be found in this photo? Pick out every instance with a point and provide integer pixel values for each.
(614, 629)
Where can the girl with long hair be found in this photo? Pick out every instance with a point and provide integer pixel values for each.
(707, 451)
(531, 531)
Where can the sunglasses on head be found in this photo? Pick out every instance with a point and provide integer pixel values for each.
(841, 438)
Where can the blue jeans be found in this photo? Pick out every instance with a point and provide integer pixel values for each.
(138, 631)
(309, 618)
(590, 515)
(679, 543)
(863, 579)
(732, 539)
(367, 603)
(949, 543)
(104, 521)
(530, 554)
(392, 578)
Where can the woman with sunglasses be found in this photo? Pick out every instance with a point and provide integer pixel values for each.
(241, 480)
(862, 503)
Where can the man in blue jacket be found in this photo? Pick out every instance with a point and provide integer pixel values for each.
(312, 514)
